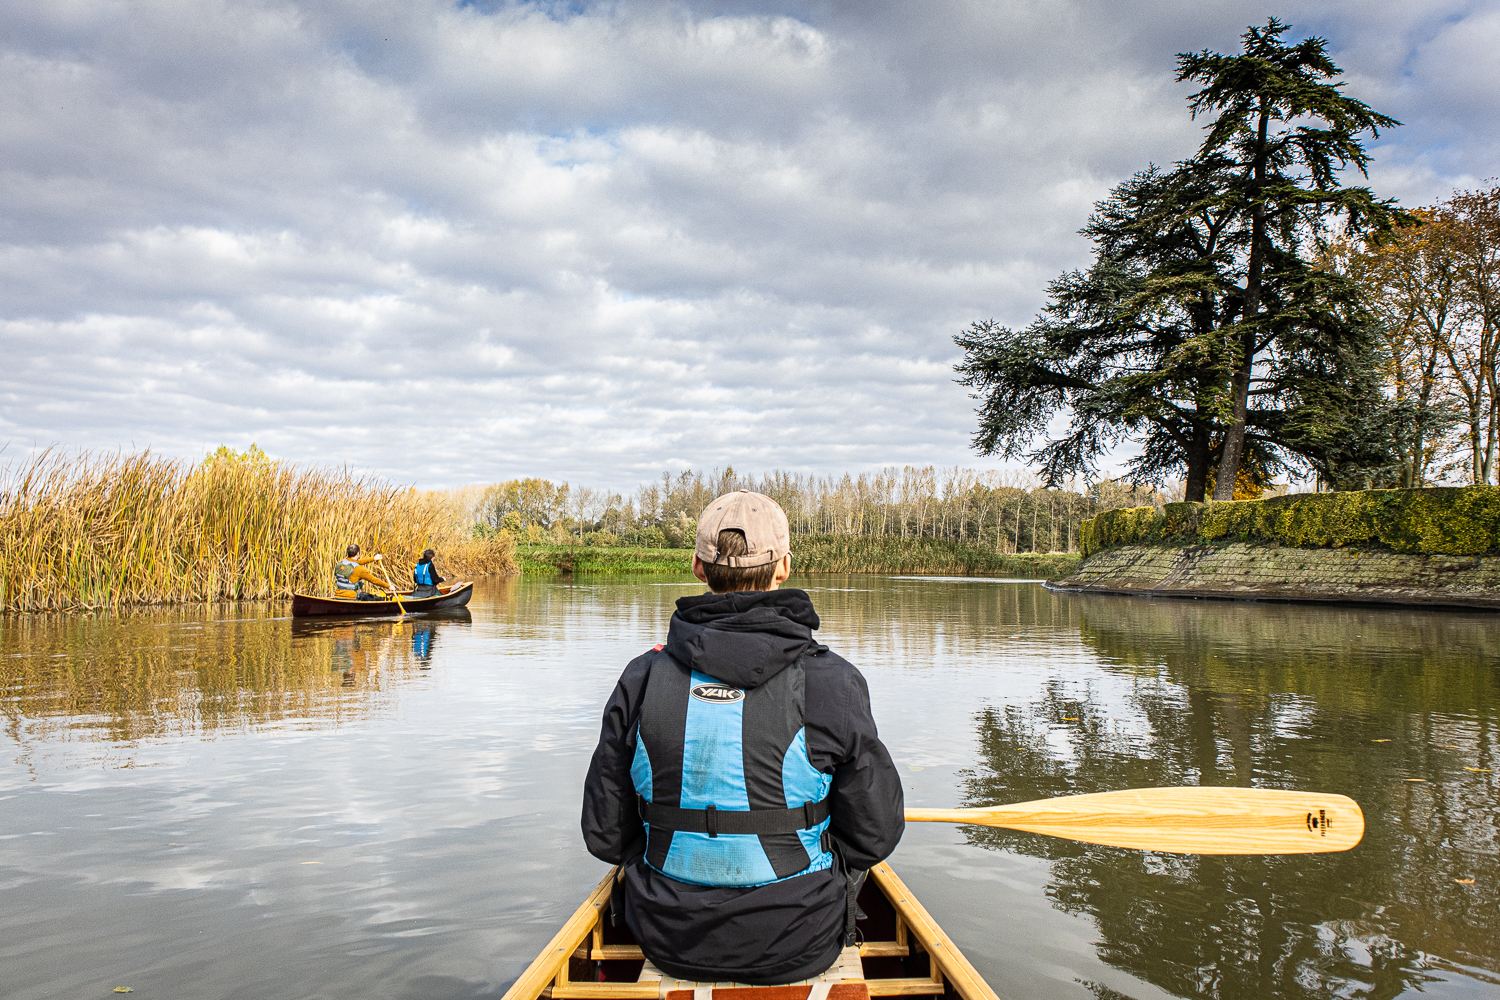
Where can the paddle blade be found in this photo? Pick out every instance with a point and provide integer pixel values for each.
(1181, 820)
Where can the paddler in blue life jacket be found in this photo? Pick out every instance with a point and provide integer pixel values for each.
(739, 778)
(350, 576)
(425, 576)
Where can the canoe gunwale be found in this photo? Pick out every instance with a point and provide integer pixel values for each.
(966, 980)
(581, 937)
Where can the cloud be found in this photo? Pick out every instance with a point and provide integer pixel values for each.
(456, 243)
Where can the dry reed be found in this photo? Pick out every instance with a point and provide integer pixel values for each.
(90, 531)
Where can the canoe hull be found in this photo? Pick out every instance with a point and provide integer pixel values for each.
(903, 952)
(309, 606)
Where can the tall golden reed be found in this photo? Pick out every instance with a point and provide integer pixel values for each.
(92, 531)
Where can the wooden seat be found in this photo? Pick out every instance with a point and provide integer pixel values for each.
(844, 980)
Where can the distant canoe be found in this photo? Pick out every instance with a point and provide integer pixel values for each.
(306, 605)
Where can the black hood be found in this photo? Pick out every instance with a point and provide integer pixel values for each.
(744, 638)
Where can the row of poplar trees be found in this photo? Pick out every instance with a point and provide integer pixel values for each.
(1215, 326)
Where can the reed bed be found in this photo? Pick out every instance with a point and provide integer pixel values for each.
(105, 531)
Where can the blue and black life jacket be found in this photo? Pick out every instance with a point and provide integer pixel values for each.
(423, 575)
(723, 780)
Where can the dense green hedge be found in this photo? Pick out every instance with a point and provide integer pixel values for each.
(1459, 520)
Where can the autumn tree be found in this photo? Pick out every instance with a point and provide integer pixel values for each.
(1434, 287)
(1409, 277)
(1474, 353)
(536, 502)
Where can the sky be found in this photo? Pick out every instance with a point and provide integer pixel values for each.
(453, 243)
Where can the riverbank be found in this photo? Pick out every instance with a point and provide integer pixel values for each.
(1435, 547)
(1268, 572)
(815, 554)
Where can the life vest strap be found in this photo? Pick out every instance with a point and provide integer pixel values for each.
(714, 821)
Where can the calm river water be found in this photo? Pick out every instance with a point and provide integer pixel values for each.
(219, 802)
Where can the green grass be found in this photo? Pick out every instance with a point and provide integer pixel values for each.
(587, 559)
(815, 554)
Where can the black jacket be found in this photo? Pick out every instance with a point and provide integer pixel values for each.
(774, 933)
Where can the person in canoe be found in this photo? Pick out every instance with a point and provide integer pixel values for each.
(350, 575)
(425, 576)
(739, 778)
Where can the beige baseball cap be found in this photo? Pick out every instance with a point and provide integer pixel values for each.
(761, 519)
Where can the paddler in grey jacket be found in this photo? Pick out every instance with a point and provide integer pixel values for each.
(350, 575)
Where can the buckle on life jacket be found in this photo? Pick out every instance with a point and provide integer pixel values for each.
(714, 821)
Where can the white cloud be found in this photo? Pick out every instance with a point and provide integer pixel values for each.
(453, 244)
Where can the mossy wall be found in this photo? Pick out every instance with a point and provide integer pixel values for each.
(1459, 520)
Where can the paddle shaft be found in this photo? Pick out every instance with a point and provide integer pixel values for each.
(1188, 820)
(387, 574)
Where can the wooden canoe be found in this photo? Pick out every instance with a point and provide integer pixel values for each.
(307, 605)
(902, 952)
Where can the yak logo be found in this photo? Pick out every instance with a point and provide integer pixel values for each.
(718, 694)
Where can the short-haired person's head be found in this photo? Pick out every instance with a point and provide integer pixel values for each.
(743, 543)
(722, 578)
(353, 551)
(428, 553)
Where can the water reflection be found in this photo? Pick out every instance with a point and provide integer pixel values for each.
(1397, 710)
(391, 806)
(201, 671)
(360, 647)
(914, 623)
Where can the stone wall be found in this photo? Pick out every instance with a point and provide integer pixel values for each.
(1261, 571)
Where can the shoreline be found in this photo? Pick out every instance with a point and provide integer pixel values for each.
(844, 554)
(1259, 571)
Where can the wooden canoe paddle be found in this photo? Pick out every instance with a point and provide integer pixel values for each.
(1186, 820)
(392, 587)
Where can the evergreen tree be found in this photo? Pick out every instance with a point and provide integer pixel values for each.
(1282, 135)
(1203, 297)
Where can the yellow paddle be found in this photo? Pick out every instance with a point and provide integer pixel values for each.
(392, 588)
(1188, 820)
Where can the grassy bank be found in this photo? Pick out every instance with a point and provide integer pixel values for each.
(548, 560)
(90, 531)
(816, 554)
(1460, 521)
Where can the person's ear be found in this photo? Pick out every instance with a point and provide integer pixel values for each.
(698, 568)
(783, 570)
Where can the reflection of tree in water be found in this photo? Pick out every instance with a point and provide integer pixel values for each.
(1274, 696)
(198, 670)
